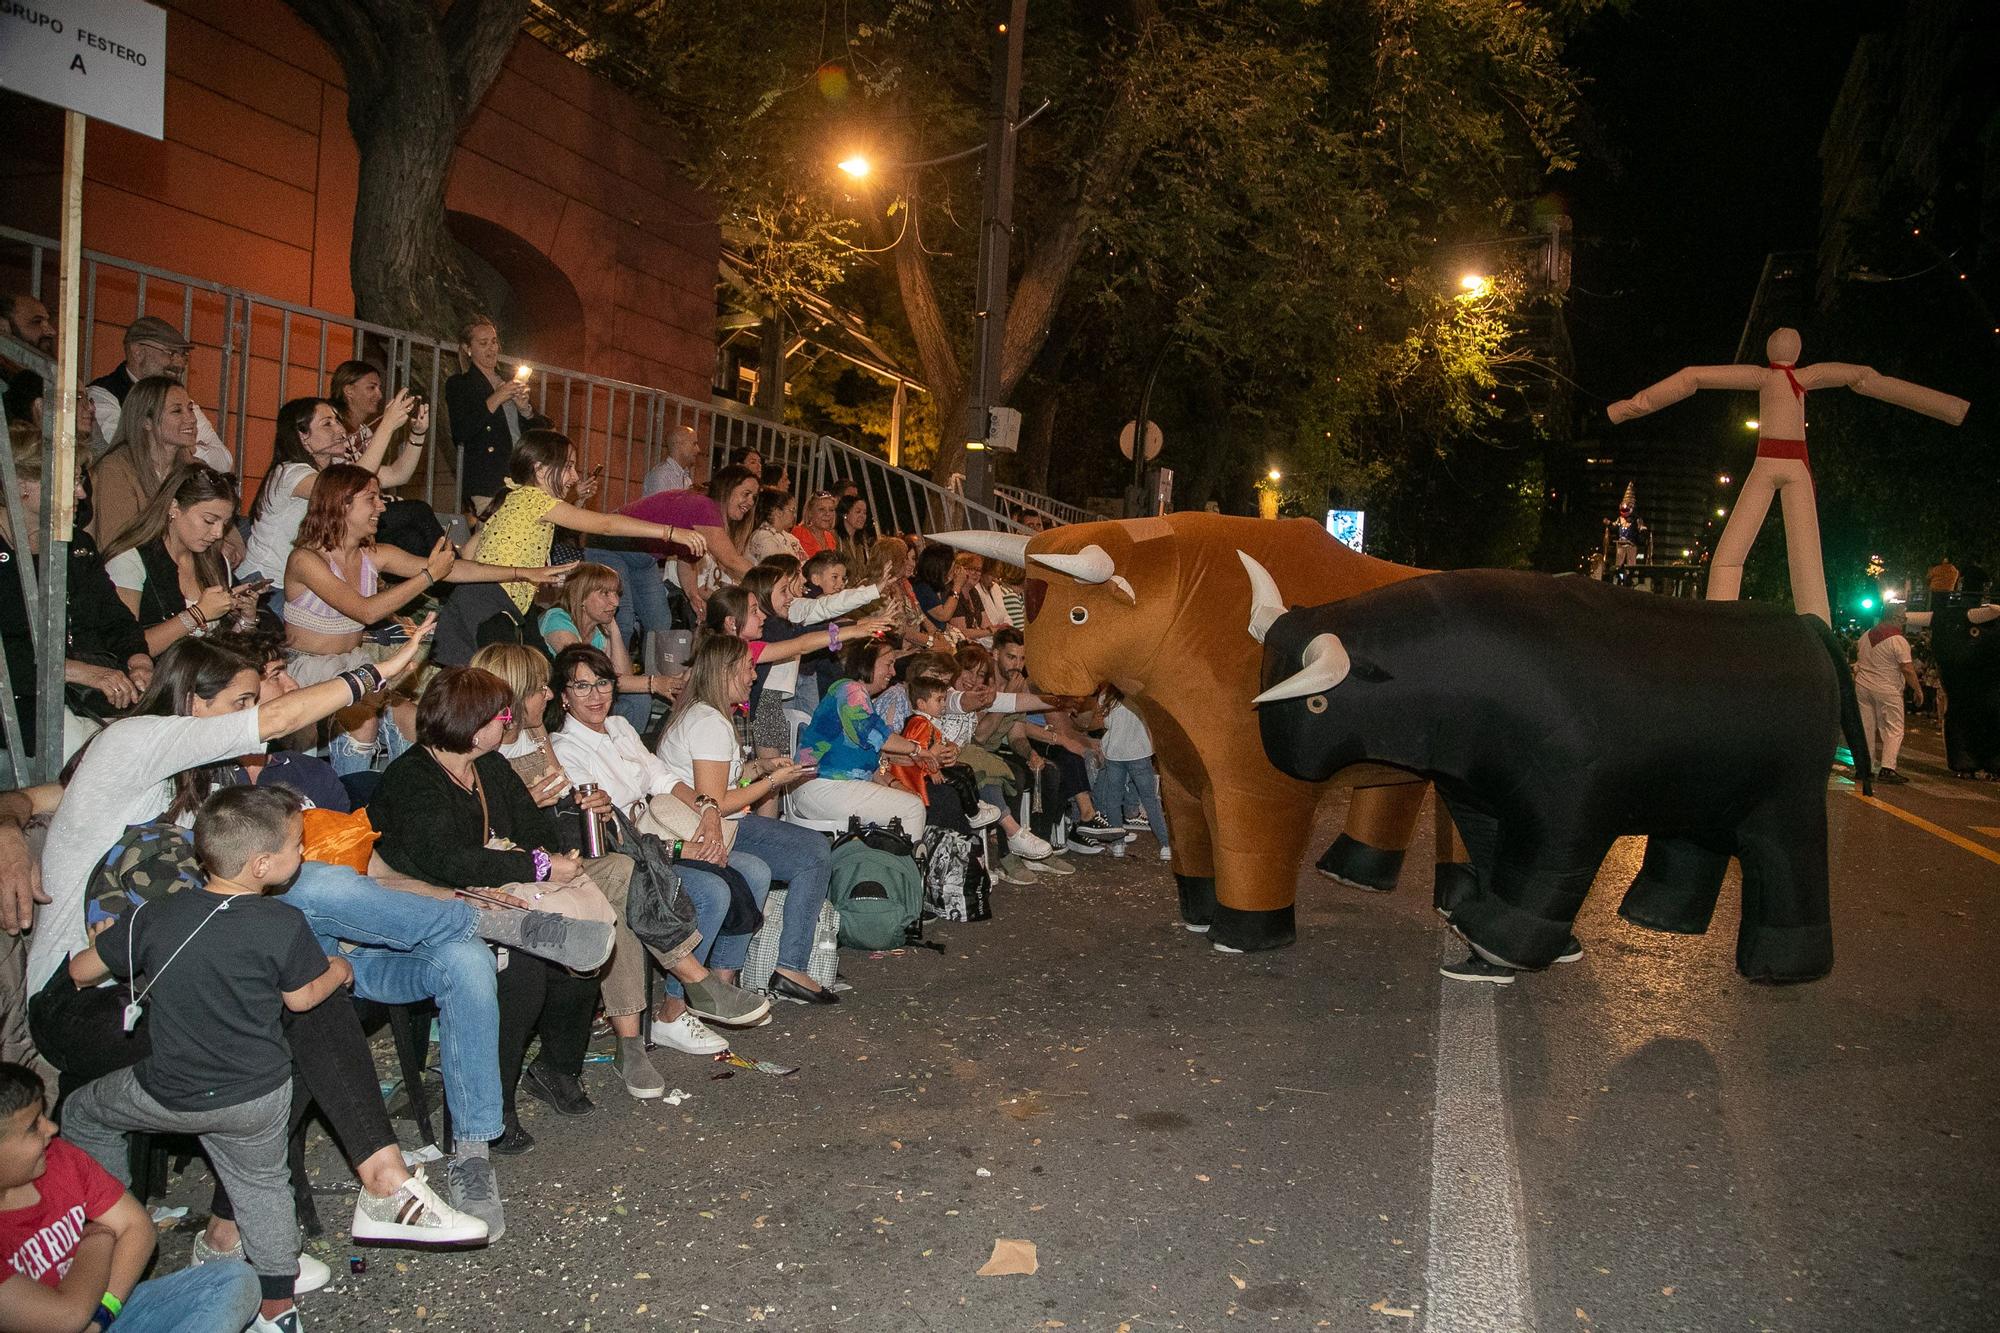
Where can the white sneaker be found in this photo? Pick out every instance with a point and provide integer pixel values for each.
(987, 813)
(1138, 823)
(413, 1215)
(1024, 844)
(312, 1273)
(288, 1322)
(688, 1035)
(1166, 853)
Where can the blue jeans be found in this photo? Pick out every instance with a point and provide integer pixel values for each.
(709, 893)
(347, 756)
(219, 1297)
(414, 947)
(1136, 777)
(634, 708)
(799, 857)
(644, 603)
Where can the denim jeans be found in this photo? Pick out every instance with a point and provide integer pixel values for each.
(1138, 779)
(221, 1296)
(710, 895)
(644, 604)
(413, 947)
(348, 756)
(799, 857)
(634, 708)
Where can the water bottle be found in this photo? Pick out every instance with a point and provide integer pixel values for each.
(1118, 849)
(825, 958)
(593, 831)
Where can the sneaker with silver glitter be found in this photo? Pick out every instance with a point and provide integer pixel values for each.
(414, 1215)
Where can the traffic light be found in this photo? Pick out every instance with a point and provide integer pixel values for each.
(1867, 602)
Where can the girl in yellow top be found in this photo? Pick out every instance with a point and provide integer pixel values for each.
(522, 527)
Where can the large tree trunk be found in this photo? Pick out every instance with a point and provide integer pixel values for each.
(415, 75)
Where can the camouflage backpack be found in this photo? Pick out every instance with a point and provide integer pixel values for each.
(148, 861)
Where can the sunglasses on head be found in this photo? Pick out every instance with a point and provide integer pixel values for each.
(505, 717)
(819, 495)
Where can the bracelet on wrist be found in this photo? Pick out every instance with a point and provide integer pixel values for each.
(541, 860)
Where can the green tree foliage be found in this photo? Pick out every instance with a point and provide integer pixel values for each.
(1277, 186)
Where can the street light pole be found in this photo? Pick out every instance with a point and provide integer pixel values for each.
(996, 229)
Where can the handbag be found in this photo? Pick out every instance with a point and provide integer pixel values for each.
(657, 910)
(669, 818)
(762, 959)
(340, 839)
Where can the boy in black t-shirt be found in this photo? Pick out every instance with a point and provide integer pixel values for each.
(219, 965)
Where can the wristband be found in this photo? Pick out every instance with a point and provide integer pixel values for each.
(541, 860)
(429, 577)
(110, 1301)
(706, 803)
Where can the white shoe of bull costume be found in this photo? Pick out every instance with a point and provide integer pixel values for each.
(1781, 468)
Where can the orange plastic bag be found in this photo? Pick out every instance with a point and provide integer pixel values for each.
(341, 840)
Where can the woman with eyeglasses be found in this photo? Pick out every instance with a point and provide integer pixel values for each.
(597, 747)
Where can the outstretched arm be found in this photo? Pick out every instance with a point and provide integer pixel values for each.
(1681, 384)
(1902, 393)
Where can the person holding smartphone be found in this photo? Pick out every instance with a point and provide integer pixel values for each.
(168, 566)
(705, 760)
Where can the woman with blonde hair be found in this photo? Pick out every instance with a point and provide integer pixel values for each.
(156, 433)
(587, 613)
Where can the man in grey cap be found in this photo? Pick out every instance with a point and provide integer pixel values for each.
(154, 347)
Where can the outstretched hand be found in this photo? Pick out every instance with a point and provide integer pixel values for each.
(406, 657)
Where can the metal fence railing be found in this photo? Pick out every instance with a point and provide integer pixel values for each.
(254, 352)
(1052, 512)
(900, 501)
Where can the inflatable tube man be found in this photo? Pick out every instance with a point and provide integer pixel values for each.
(1781, 469)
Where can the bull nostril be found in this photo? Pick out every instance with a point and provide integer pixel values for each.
(1078, 615)
(1316, 704)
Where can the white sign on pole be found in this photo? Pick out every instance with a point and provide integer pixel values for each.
(104, 58)
(1154, 439)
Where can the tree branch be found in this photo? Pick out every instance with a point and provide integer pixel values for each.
(477, 34)
(356, 38)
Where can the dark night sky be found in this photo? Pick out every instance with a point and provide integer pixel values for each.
(1698, 155)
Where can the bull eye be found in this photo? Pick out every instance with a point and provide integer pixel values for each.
(1078, 615)
(1316, 704)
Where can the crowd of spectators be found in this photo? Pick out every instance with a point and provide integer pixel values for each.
(322, 764)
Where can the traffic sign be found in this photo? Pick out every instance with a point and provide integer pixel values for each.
(1154, 439)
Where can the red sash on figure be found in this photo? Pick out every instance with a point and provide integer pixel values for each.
(1770, 448)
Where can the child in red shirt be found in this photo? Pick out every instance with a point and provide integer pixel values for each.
(73, 1241)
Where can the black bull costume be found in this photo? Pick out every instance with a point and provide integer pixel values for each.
(1554, 715)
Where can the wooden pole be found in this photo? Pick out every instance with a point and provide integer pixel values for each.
(58, 514)
(896, 424)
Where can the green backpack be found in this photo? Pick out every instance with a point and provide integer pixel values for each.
(875, 886)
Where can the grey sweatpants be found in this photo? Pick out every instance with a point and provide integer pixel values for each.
(245, 1143)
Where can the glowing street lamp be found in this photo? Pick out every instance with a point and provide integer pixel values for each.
(1274, 475)
(1475, 284)
(1722, 480)
(1751, 424)
(858, 167)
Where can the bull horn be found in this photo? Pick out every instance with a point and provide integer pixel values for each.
(1266, 605)
(1012, 547)
(1324, 666)
(1090, 565)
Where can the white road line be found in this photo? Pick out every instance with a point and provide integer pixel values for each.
(1475, 1270)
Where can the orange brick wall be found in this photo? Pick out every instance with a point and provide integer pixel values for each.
(254, 187)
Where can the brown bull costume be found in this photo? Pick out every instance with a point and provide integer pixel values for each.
(1156, 606)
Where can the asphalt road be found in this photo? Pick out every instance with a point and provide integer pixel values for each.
(1330, 1136)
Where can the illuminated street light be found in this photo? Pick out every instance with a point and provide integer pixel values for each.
(1722, 480)
(858, 167)
(1273, 475)
(1719, 513)
(1475, 284)
(1751, 424)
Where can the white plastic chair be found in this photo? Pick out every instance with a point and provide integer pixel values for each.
(795, 722)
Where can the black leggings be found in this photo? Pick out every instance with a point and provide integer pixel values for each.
(539, 999)
(80, 1032)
